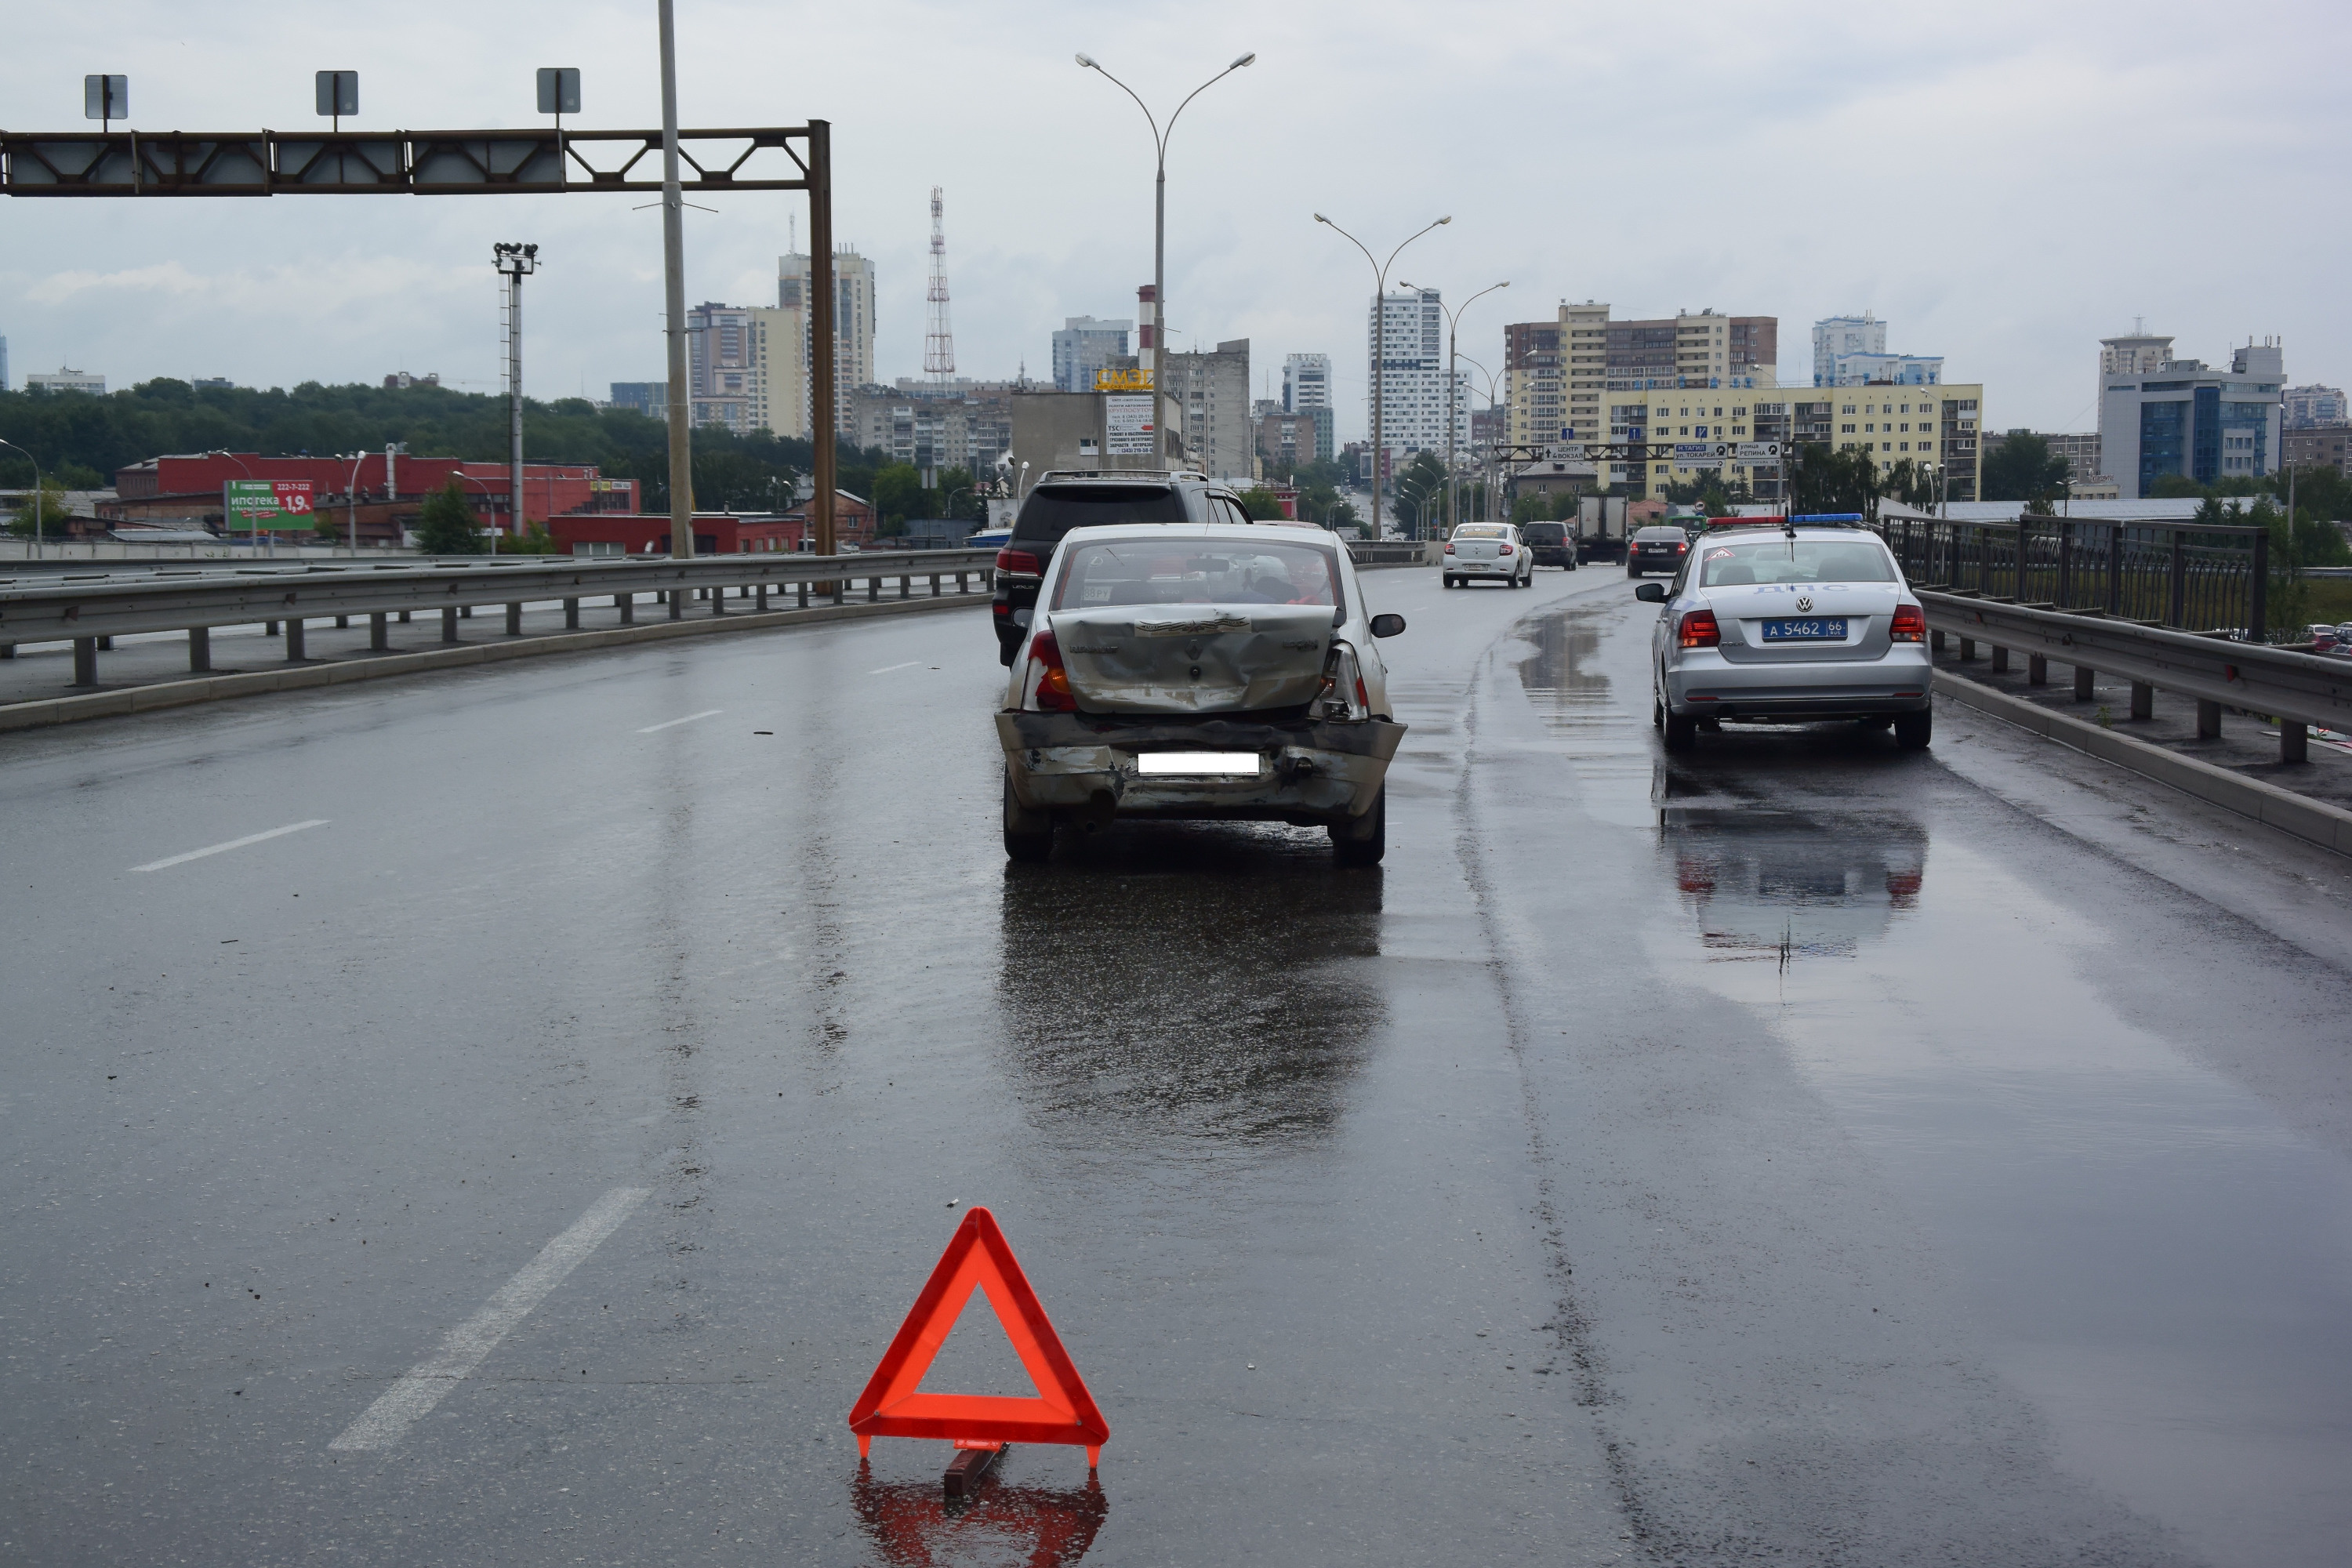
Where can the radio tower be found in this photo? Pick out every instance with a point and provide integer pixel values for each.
(938, 341)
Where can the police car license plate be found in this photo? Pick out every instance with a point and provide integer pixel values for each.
(1804, 631)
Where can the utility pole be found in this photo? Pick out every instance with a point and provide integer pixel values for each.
(681, 424)
(514, 263)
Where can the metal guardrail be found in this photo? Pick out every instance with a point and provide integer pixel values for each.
(1387, 552)
(2297, 689)
(2190, 576)
(88, 611)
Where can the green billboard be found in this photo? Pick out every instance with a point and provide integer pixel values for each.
(267, 505)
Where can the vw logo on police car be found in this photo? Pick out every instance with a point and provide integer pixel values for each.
(1804, 604)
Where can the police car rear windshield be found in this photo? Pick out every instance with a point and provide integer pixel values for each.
(1728, 565)
(1049, 514)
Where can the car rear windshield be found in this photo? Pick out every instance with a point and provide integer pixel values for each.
(1794, 561)
(1543, 533)
(1048, 514)
(1655, 533)
(1196, 571)
(1478, 530)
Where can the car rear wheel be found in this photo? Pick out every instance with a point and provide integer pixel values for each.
(1028, 834)
(1632, 571)
(1681, 731)
(1362, 840)
(1913, 731)
(1449, 582)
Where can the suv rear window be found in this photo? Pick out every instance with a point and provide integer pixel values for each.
(1543, 533)
(1048, 514)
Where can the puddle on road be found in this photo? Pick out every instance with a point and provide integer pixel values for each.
(1178, 990)
(909, 1525)
(1606, 740)
(2154, 1258)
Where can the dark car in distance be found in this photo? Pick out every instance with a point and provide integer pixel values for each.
(1551, 544)
(1656, 550)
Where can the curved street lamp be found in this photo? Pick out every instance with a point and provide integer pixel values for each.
(1453, 322)
(1159, 235)
(1486, 466)
(1380, 330)
(37, 493)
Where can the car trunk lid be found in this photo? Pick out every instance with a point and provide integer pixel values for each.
(1194, 659)
(1743, 610)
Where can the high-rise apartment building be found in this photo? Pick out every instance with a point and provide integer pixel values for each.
(1835, 335)
(650, 398)
(853, 342)
(1559, 373)
(2307, 408)
(1307, 387)
(1083, 346)
(727, 366)
(1405, 334)
(1212, 392)
(2160, 416)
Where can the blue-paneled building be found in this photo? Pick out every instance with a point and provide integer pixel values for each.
(2160, 416)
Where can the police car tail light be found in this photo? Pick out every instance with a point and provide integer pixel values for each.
(1909, 625)
(1699, 630)
(1343, 695)
(1053, 694)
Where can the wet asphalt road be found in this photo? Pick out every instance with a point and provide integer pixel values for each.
(1809, 1153)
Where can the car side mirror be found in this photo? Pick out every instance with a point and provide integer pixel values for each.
(1651, 593)
(1387, 625)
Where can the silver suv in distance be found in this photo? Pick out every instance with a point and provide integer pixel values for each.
(1773, 621)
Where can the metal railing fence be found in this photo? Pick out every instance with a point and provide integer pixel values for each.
(2187, 576)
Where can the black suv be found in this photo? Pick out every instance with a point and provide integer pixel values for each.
(1064, 499)
(1551, 544)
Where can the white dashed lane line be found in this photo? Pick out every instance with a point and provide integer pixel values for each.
(232, 844)
(887, 669)
(427, 1383)
(669, 723)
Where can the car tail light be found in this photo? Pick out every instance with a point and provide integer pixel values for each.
(1502, 550)
(1909, 625)
(1449, 547)
(1682, 547)
(1053, 694)
(1343, 695)
(1698, 629)
(1018, 561)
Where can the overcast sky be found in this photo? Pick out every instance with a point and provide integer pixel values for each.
(2003, 182)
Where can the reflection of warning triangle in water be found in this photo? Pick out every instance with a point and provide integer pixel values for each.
(892, 1405)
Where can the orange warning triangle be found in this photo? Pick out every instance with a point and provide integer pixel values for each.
(979, 1258)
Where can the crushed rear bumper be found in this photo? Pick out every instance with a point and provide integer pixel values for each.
(1309, 772)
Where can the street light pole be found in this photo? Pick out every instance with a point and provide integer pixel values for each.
(1379, 331)
(1160, 237)
(1486, 460)
(1452, 325)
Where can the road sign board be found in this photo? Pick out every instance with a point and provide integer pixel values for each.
(338, 93)
(1568, 452)
(1127, 426)
(559, 90)
(1136, 380)
(106, 97)
(1758, 451)
(1699, 453)
(892, 1405)
(268, 505)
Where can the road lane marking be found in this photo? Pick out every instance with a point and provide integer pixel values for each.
(888, 667)
(667, 723)
(427, 1383)
(232, 844)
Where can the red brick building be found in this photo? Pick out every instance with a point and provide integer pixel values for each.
(386, 490)
(637, 533)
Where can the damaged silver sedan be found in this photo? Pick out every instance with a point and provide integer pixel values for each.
(1203, 670)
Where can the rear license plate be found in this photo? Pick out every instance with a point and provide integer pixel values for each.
(1197, 765)
(1804, 631)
